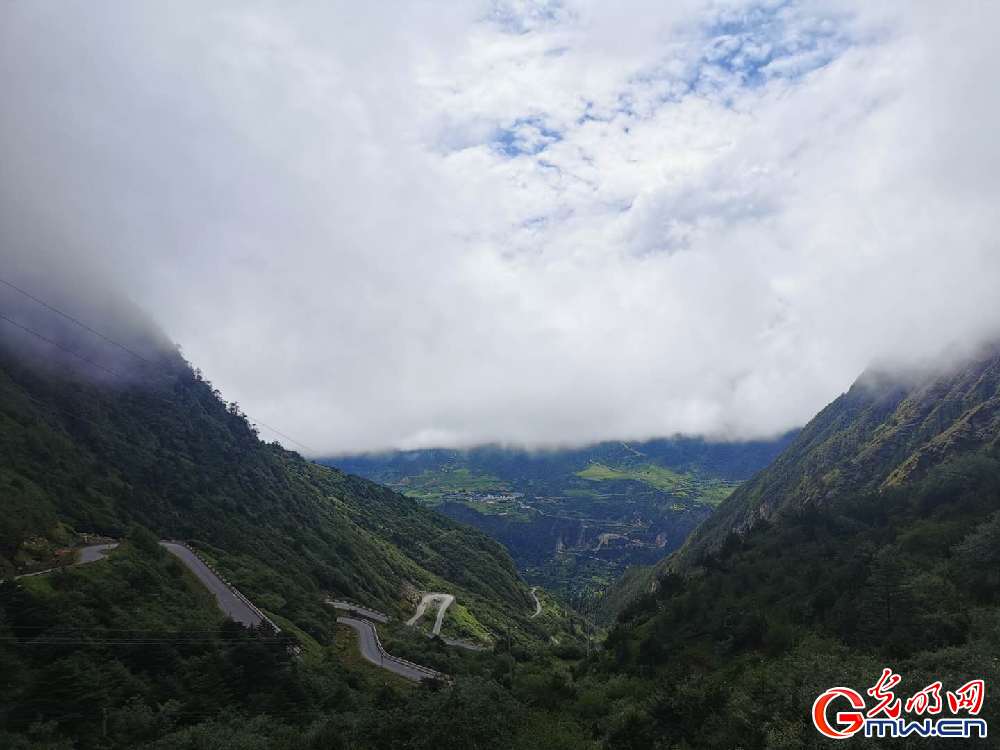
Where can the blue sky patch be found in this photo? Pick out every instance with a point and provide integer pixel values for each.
(525, 136)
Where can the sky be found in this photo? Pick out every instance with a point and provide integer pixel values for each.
(414, 224)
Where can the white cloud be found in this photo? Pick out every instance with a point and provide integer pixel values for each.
(398, 225)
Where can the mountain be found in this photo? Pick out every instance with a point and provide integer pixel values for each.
(886, 431)
(575, 519)
(873, 541)
(121, 438)
(112, 438)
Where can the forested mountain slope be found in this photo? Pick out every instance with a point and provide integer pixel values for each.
(735, 655)
(884, 432)
(130, 442)
(97, 446)
(872, 542)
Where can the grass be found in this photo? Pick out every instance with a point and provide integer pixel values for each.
(312, 650)
(433, 486)
(687, 485)
(600, 472)
(577, 492)
(465, 624)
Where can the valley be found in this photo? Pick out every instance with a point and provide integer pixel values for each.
(575, 519)
(504, 375)
(390, 617)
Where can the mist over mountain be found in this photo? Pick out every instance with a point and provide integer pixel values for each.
(96, 453)
(536, 374)
(887, 431)
(74, 318)
(388, 227)
(871, 539)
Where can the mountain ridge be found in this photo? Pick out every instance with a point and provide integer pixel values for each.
(885, 431)
(85, 452)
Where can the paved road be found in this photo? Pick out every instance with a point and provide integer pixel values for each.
(538, 604)
(84, 555)
(443, 601)
(94, 552)
(234, 607)
(370, 650)
(351, 607)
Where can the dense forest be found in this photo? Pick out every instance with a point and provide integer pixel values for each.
(166, 453)
(731, 657)
(133, 652)
(726, 646)
(734, 655)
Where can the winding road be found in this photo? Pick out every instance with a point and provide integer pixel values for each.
(233, 604)
(235, 607)
(352, 608)
(371, 649)
(443, 601)
(90, 553)
(94, 552)
(238, 608)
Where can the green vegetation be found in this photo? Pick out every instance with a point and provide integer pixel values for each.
(132, 653)
(599, 472)
(710, 491)
(432, 486)
(169, 455)
(461, 623)
(907, 578)
(550, 509)
(873, 541)
(880, 434)
(731, 657)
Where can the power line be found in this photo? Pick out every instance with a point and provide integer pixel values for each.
(121, 346)
(225, 713)
(279, 433)
(66, 412)
(46, 641)
(56, 344)
(70, 318)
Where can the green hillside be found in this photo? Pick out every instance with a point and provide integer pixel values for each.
(132, 651)
(872, 541)
(82, 455)
(828, 595)
(575, 519)
(882, 433)
(709, 491)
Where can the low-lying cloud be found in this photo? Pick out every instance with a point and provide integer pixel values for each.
(414, 224)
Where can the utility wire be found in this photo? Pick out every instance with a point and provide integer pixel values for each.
(70, 318)
(110, 340)
(99, 629)
(316, 711)
(115, 373)
(120, 642)
(57, 345)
